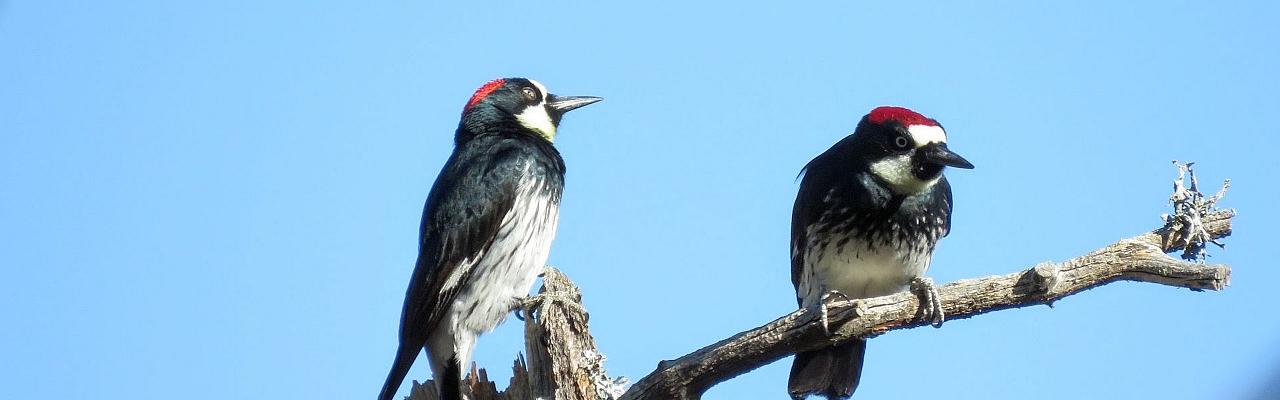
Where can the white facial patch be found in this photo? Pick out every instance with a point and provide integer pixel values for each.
(895, 171)
(535, 117)
(925, 134)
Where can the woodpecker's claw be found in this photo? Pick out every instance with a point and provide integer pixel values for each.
(822, 306)
(930, 300)
(531, 304)
(519, 304)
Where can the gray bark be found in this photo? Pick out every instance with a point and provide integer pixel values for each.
(1140, 259)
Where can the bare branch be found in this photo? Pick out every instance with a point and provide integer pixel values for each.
(1140, 259)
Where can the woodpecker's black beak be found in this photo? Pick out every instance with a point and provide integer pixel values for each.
(939, 154)
(564, 104)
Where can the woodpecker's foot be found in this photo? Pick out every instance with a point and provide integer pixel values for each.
(518, 306)
(533, 304)
(930, 300)
(822, 307)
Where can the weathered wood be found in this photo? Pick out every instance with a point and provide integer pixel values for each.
(562, 362)
(1142, 259)
(575, 369)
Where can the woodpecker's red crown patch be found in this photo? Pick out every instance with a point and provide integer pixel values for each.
(483, 92)
(883, 114)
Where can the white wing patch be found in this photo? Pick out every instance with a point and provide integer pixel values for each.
(460, 270)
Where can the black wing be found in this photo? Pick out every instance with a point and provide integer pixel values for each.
(801, 217)
(474, 192)
(942, 203)
(819, 179)
(459, 222)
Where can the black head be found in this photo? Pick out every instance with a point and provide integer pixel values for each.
(903, 149)
(518, 103)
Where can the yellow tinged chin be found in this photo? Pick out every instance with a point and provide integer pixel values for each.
(536, 119)
(896, 173)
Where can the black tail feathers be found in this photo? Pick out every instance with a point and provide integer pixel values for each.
(831, 372)
(399, 368)
(451, 388)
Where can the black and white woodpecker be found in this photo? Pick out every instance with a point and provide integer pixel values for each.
(869, 212)
(486, 228)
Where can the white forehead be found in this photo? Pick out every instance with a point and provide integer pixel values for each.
(541, 89)
(925, 134)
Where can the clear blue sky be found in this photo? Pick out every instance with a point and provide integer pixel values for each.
(220, 200)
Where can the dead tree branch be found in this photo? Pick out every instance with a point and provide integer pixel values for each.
(562, 363)
(1142, 259)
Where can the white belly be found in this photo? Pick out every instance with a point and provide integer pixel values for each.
(499, 278)
(858, 271)
(506, 272)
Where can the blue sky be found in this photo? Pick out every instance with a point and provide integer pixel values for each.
(220, 200)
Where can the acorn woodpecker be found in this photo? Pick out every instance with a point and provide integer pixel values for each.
(486, 227)
(865, 222)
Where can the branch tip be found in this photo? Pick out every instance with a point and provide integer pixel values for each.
(1184, 229)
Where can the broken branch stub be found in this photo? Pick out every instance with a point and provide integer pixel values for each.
(562, 363)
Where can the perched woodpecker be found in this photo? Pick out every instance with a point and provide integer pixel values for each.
(865, 222)
(486, 227)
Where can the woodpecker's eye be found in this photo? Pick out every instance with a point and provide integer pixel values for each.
(529, 94)
(902, 142)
